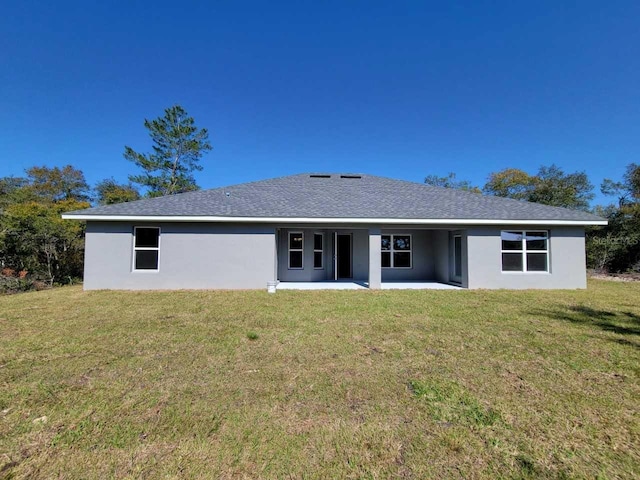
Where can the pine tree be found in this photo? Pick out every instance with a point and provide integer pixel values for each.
(178, 146)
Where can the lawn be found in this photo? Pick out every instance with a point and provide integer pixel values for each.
(330, 384)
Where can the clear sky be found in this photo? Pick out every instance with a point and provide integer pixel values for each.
(394, 88)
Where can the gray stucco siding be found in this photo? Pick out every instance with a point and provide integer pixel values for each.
(192, 256)
(440, 240)
(247, 256)
(567, 268)
(443, 257)
(425, 254)
(423, 257)
(361, 255)
(308, 273)
(359, 251)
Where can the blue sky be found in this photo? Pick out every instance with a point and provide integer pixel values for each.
(401, 89)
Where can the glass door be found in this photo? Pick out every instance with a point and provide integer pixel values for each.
(456, 258)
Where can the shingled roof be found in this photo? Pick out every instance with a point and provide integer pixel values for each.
(334, 196)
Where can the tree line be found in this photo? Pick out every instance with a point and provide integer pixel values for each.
(38, 248)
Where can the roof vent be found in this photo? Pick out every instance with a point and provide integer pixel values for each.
(350, 176)
(320, 176)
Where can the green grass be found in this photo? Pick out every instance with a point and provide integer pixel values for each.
(252, 336)
(333, 384)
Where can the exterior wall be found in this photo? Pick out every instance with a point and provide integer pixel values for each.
(465, 259)
(192, 256)
(359, 259)
(308, 273)
(443, 257)
(567, 267)
(361, 255)
(375, 258)
(215, 256)
(422, 253)
(430, 256)
(441, 268)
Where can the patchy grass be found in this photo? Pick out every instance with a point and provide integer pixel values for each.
(451, 404)
(410, 384)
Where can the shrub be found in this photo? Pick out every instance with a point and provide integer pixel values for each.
(16, 284)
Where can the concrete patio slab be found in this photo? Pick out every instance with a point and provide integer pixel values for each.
(322, 286)
(364, 285)
(418, 286)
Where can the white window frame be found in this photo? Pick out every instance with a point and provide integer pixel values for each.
(289, 250)
(135, 249)
(391, 250)
(321, 251)
(523, 251)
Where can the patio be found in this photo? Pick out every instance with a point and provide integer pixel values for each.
(348, 285)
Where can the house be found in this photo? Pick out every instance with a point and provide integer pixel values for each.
(332, 227)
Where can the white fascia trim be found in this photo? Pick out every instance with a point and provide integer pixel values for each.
(388, 221)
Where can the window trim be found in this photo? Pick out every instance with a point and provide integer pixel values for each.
(135, 249)
(391, 250)
(321, 251)
(523, 251)
(289, 250)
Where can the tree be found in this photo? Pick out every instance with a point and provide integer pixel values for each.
(632, 180)
(53, 184)
(10, 190)
(614, 189)
(33, 237)
(553, 187)
(450, 182)
(109, 191)
(616, 247)
(550, 186)
(178, 146)
(626, 191)
(36, 239)
(510, 183)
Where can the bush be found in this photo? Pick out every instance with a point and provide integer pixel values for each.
(17, 282)
(15, 285)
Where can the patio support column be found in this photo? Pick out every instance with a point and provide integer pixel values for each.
(375, 261)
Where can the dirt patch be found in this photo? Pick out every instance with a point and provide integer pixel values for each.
(616, 277)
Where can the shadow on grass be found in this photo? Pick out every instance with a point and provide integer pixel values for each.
(622, 323)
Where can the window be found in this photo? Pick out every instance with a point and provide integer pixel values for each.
(146, 248)
(318, 249)
(296, 249)
(526, 251)
(396, 251)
